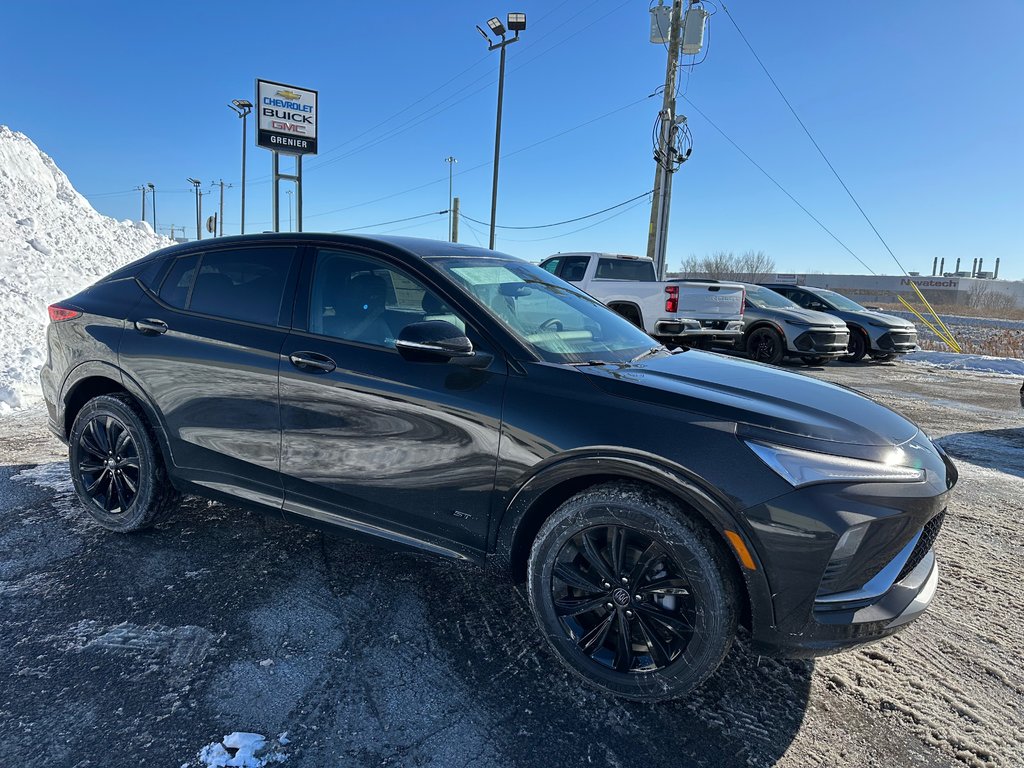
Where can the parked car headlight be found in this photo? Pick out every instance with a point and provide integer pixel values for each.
(799, 468)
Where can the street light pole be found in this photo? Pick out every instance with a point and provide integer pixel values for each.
(451, 162)
(199, 206)
(142, 188)
(516, 23)
(242, 107)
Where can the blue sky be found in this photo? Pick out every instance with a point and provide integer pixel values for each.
(918, 105)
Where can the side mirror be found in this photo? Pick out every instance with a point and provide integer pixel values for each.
(433, 341)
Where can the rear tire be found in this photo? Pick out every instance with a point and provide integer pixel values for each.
(634, 597)
(116, 467)
(765, 345)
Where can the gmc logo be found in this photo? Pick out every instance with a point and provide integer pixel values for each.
(277, 125)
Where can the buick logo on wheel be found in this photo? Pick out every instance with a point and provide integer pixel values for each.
(621, 597)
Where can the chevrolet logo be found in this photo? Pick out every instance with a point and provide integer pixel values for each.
(289, 95)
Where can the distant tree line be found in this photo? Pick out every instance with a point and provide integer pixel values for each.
(750, 266)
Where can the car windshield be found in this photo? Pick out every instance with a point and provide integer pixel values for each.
(839, 301)
(766, 298)
(558, 321)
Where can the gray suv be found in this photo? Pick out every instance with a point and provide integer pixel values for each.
(774, 327)
(871, 333)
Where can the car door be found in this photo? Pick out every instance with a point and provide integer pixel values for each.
(369, 439)
(204, 346)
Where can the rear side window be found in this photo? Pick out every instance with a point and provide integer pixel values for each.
(244, 284)
(574, 268)
(552, 265)
(625, 269)
(174, 290)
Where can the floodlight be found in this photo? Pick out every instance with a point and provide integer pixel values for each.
(496, 26)
(242, 103)
(517, 22)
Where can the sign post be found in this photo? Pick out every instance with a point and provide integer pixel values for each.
(286, 125)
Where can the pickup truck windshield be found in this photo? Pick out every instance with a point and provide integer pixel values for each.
(625, 269)
(557, 320)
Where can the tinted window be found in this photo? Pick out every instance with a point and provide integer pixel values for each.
(244, 284)
(574, 268)
(151, 272)
(174, 290)
(359, 299)
(625, 269)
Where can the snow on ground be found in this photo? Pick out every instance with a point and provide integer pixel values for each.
(963, 362)
(976, 335)
(246, 750)
(52, 245)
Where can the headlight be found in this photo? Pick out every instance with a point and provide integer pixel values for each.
(800, 468)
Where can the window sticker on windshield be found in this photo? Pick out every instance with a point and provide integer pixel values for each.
(487, 275)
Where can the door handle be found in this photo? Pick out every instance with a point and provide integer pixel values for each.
(313, 360)
(151, 325)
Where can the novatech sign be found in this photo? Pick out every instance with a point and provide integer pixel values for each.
(287, 118)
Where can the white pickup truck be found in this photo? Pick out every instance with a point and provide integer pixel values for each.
(687, 312)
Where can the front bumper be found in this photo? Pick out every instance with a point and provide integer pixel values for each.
(822, 342)
(822, 603)
(896, 342)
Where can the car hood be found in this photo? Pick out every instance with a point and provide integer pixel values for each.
(870, 316)
(758, 397)
(798, 315)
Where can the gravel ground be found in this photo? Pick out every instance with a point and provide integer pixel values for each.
(143, 650)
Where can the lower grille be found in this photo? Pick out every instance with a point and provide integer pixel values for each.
(929, 533)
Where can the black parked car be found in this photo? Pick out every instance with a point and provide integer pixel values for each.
(473, 405)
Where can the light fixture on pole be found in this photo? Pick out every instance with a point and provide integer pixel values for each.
(152, 190)
(516, 23)
(451, 164)
(199, 206)
(242, 107)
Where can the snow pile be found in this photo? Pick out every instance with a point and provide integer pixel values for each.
(246, 750)
(962, 362)
(52, 245)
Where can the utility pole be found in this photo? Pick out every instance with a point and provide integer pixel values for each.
(658, 231)
(199, 206)
(455, 220)
(152, 189)
(142, 189)
(451, 164)
(221, 216)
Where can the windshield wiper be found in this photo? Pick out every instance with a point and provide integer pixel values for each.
(648, 353)
(584, 363)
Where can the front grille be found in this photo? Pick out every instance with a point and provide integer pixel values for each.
(898, 340)
(821, 341)
(929, 533)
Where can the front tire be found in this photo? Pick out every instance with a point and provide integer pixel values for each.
(634, 597)
(857, 348)
(765, 345)
(116, 468)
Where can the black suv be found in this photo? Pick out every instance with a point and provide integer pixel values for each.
(473, 405)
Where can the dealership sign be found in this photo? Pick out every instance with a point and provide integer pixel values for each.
(287, 118)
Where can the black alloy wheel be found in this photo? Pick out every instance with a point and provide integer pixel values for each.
(635, 597)
(116, 467)
(641, 622)
(108, 464)
(765, 345)
(857, 348)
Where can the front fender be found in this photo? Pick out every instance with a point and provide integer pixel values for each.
(560, 477)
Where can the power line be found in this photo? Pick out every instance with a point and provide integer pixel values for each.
(566, 221)
(815, 143)
(580, 229)
(393, 221)
(771, 178)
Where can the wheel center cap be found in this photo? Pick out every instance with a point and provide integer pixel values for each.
(621, 597)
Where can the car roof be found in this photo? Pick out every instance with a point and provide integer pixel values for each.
(419, 246)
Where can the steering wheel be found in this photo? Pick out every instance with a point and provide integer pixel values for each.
(551, 324)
